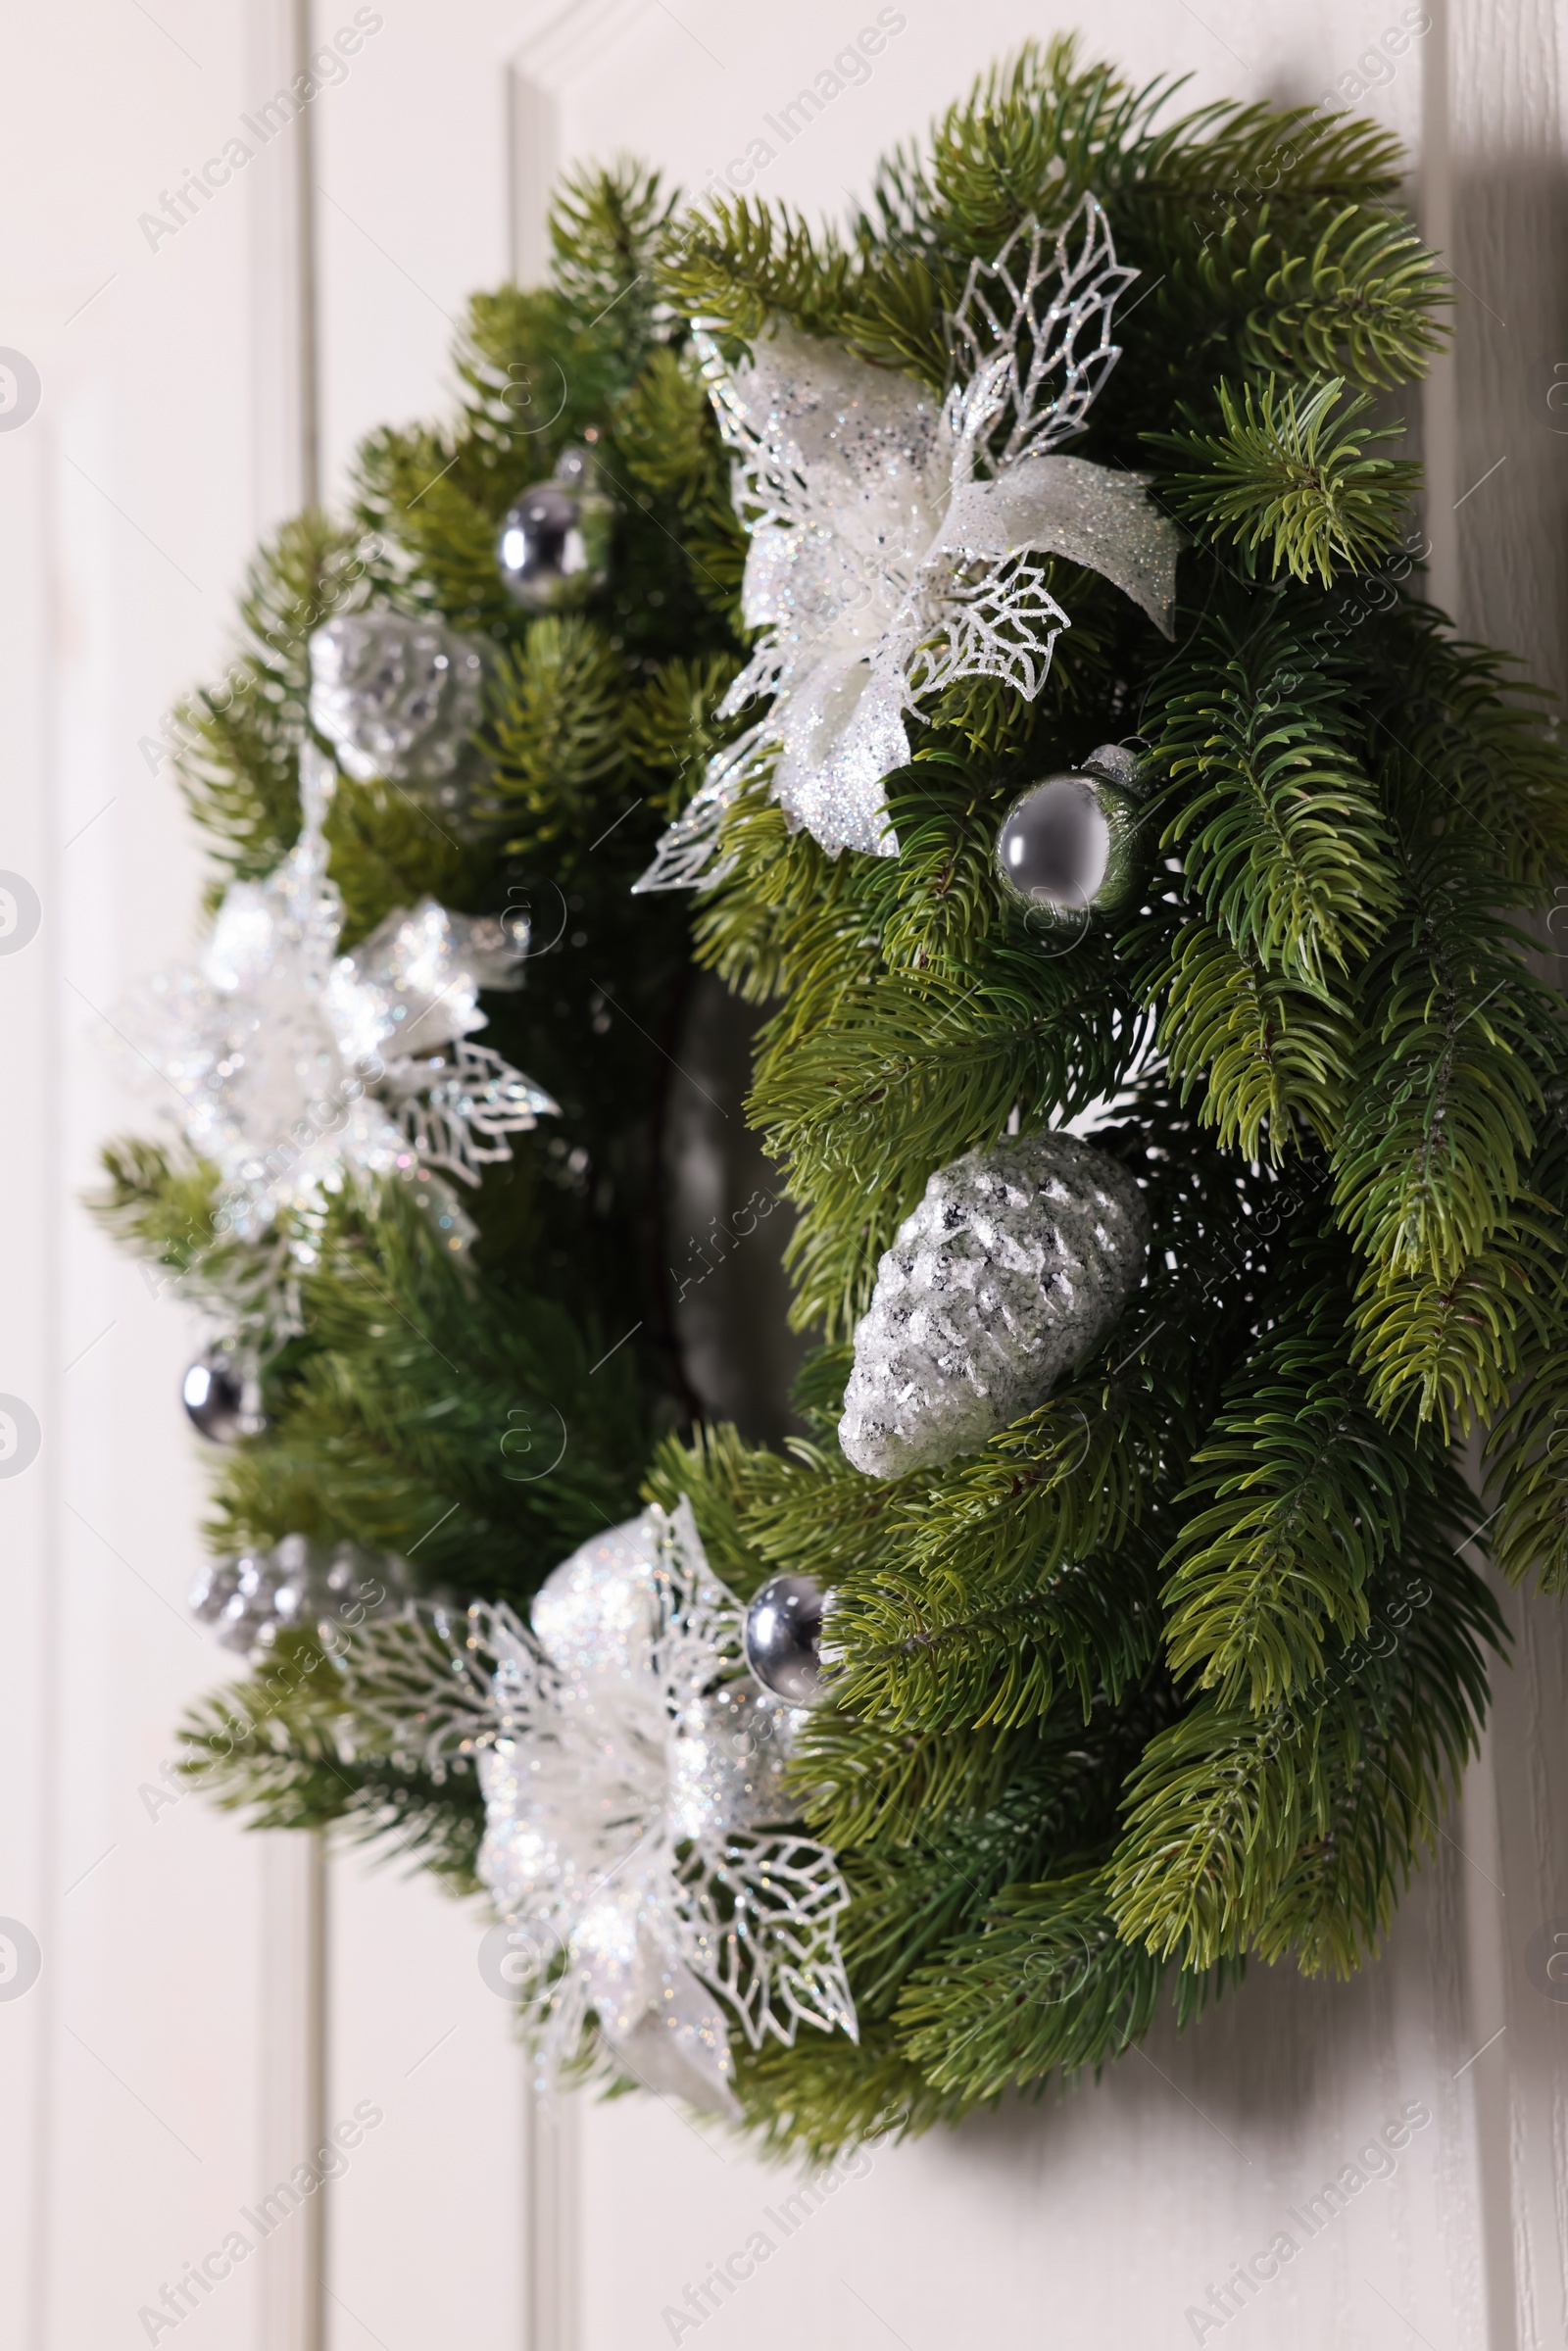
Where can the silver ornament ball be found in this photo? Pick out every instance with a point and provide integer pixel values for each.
(1005, 1279)
(401, 698)
(554, 546)
(220, 1399)
(1070, 843)
(783, 1638)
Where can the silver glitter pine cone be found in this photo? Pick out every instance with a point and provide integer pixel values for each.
(1072, 844)
(1002, 1281)
(555, 543)
(253, 1598)
(783, 1638)
(401, 698)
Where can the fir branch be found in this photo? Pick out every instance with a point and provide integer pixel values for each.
(1215, 1813)
(1230, 159)
(535, 378)
(1047, 1985)
(828, 2095)
(163, 1204)
(1302, 1494)
(747, 920)
(668, 444)
(273, 1747)
(1526, 1452)
(908, 1075)
(1286, 848)
(1442, 1123)
(239, 741)
(711, 1468)
(425, 1417)
(1295, 1830)
(933, 1665)
(1527, 1464)
(1359, 304)
(1454, 1347)
(865, 1784)
(935, 903)
(666, 433)
(1270, 1061)
(1485, 751)
(608, 234)
(1033, 134)
(904, 1913)
(739, 262)
(388, 851)
(670, 727)
(1285, 473)
(1391, 1751)
(816, 1508)
(556, 736)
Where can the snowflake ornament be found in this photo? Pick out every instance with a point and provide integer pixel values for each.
(637, 1820)
(299, 1067)
(899, 540)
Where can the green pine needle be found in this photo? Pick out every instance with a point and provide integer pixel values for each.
(1288, 474)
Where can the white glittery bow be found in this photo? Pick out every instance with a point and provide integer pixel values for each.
(298, 1065)
(895, 547)
(636, 1813)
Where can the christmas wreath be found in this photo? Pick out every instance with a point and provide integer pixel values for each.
(1129, 867)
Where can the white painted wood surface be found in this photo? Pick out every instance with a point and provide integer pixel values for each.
(149, 2078)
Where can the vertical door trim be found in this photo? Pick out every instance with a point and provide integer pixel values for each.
(551, 2240)
(285, 387)
(533, 149)
(1439, 402)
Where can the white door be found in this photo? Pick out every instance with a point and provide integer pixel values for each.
(199, 2011)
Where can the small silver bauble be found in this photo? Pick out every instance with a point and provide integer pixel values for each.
(255, 1597)
(784, 1637)
(221, 1398)
(554, 546)
(1070, 843)
(400, 699)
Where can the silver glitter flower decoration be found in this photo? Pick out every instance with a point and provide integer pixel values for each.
(896, 546)
(637, 1820)
(299, 1067)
